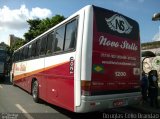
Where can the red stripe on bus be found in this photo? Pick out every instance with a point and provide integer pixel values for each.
(18, 77)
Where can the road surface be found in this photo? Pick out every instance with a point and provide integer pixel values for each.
(16, 103)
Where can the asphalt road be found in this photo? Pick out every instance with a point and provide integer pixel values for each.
(16, 103)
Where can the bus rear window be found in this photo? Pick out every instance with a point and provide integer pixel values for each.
(115, 24)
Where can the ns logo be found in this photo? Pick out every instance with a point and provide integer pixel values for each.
(119, 24)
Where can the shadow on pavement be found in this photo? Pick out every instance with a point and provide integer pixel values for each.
(63, 113)
(147, 108)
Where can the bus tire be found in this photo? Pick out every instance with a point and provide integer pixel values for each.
(35, 91)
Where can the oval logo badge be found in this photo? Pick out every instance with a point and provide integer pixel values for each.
(119, 23)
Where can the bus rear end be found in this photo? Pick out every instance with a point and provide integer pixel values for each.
(113, 62)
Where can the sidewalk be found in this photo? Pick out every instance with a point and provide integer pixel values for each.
(147, 108)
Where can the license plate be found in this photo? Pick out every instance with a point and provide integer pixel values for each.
(119, 103)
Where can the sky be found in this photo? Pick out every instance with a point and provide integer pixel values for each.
(15, 13)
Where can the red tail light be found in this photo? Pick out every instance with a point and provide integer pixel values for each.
(85, 87)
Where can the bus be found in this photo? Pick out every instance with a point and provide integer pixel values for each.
(3, 64)
(88, 62)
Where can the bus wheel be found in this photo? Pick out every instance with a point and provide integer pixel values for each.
(35, 91)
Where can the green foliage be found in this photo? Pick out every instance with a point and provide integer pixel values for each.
(150, 45)
(32, 29)
(38, 27)
(4, 46)
(18, 43)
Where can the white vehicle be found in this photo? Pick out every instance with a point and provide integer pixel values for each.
(88, 62)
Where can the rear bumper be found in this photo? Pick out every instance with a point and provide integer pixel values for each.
(97, 103)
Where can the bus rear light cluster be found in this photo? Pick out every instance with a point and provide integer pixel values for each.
(85, 93)
(86, 87)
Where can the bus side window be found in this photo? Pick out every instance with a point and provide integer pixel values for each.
(33, 53)
(43, 45)
(25, 52)
(29, 50)
(13, 57)
(59, 39)
(22, 54)
(38, 45)
(49, 43)
(17, 55)
(70, 38)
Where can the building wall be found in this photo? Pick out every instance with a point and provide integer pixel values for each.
(12, 39)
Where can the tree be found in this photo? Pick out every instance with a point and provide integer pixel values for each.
(18, 43)
(32, 29)
(4, 46)
(38, 27)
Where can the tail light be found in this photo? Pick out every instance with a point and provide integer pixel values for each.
(86, 87)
